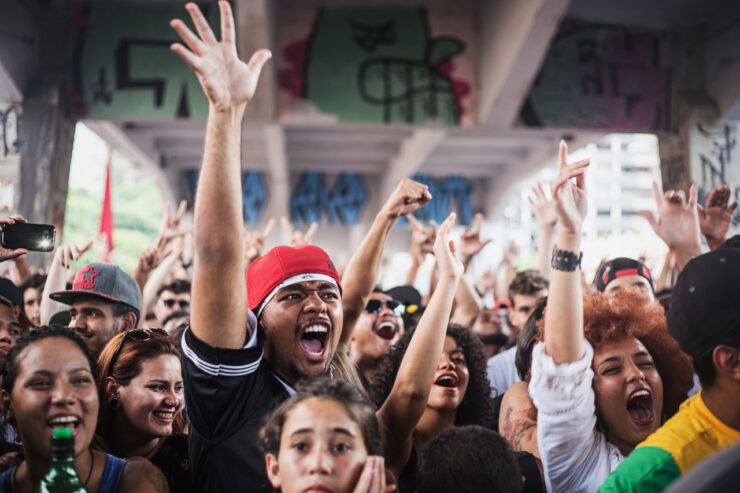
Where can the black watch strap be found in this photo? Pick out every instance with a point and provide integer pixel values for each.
(565, 260)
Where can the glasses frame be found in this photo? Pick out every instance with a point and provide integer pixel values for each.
(398, 309)
(141, 335)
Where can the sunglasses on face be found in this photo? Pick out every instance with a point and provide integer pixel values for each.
(375, 306)
(141, 335)
(169, 303)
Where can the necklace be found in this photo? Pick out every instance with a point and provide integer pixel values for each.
(14, 475)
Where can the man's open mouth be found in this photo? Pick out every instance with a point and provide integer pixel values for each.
(313, 341)
(640, 407)
(447, 381)
(386, 330)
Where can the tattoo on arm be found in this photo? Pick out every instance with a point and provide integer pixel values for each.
(515, 427)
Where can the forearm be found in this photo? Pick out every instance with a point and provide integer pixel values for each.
(545, 243)
(156, 280)
(24, 270)
(362, 271)
(56, 280)
(564, 314)
(686, 252)
(412, 272)
(467, 303)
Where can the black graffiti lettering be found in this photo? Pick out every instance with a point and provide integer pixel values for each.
(123, 61)
(593, 82)
(368, 38)
(711, 176)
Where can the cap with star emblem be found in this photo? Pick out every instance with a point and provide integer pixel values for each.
(105, 281)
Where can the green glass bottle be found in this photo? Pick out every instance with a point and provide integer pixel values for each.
(62, 477)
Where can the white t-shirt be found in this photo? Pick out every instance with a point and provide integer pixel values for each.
(575, 456)
(501, 370)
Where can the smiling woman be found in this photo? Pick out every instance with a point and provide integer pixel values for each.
(140, 379)
(49, 383)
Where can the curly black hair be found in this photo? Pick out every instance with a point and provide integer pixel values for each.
(476, 407)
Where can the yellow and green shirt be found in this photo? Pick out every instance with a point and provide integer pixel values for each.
(685, 440)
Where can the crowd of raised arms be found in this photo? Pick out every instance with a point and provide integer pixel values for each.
(308, 377)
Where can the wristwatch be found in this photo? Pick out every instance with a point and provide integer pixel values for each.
(565, 260)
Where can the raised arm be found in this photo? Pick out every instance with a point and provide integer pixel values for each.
(219, 310)
(362, 270)
(677, 223)
(56, 279)
(546, 218)
(564, 315)
(467, 301)
(422, 240)
(715, 217)
(401, 411)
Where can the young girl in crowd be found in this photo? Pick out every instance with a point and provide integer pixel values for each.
(49, 382)
(419, 396)
(140, 379)
(603, 359)
(324, 438)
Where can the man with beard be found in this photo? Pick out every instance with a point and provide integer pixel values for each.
(377, 329)
(244, 351)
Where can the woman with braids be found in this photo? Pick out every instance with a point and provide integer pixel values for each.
(48, 383)
(605, 360)
(420, 396)
(140, 382)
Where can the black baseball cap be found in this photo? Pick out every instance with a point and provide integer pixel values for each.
(621, 266)
(705, 304)
(105, 281)
(10, 292)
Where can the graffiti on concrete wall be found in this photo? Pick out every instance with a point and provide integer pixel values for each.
(10, 134)
(343, 204)
(123, 67)
(597, 76)
(449, 193)
(377, 65)
(715, 158)
(254, 194)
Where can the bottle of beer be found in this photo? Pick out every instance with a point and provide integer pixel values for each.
(62, 477)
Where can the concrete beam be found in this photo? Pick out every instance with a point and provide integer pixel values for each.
(413, 153)
(117, 138)
(514, 39)
(278, 177)
(255, 25)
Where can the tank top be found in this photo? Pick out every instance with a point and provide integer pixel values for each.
(108, 483)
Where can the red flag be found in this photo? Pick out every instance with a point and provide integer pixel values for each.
(105, 232)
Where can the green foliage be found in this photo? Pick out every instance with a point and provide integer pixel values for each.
(137, 211)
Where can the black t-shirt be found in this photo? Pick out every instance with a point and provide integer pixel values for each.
(173, 460)
(228, 393)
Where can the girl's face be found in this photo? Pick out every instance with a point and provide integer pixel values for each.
(451, 379)
(151, 400)
(629, 391)
(321, 449)
(54, 388)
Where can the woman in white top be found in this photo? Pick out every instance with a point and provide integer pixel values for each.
(611, 374)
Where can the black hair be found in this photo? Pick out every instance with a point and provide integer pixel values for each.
(527, 283)
(10, 372)
(468, 459)
(704, 363)
(177, 286)
(476, 407)
(173, 315)
(121, 309)
(334, 389)
(731, 242)
(527, 338)
(34, 281)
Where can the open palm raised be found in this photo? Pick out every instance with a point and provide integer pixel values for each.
(227, 81)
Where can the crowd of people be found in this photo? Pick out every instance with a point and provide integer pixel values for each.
(307, 376)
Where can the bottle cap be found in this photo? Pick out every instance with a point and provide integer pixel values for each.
(62, 432)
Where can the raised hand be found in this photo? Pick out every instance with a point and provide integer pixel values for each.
(227, 81)
(544, 212)
(715, 217)
(408, 197)
(470, 242)
(153, 256)
(448, 261)
(422, 238)
(569, 192)
(67, 253)
(254, 241)
(296, 237)
(5, 253)
(678, 220)
(372, 478)
(169, 227)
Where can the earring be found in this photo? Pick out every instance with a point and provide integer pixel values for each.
(114, 403)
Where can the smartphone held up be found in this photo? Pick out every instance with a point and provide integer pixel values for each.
(38, 237)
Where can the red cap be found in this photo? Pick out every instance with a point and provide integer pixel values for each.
(283, 262)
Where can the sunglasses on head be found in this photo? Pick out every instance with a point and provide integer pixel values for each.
(169, 303)
(141, 335)
(375, 306)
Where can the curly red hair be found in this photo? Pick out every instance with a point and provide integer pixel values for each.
(606, 318)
